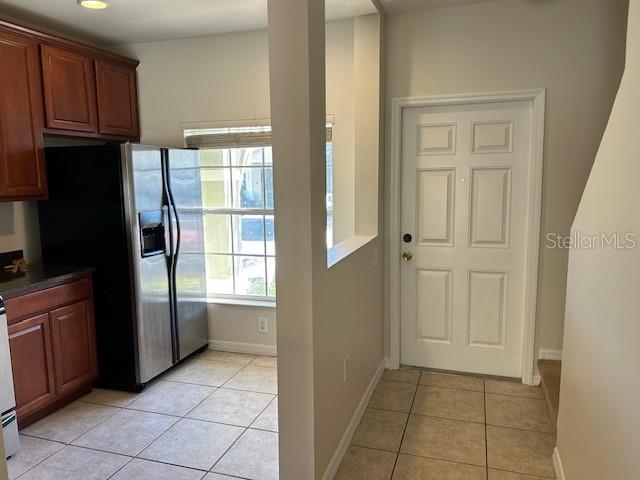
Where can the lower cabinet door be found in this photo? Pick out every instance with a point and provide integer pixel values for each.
(32, 363)
(74, 346)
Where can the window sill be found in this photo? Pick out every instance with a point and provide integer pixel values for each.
(342, 250)
(242, 302)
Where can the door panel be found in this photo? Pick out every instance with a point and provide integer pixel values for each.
(462, 292)
(32, 363)
(74, 345)
(144, 193)
(434, 306)
(69, 90)
(436, 192)
(22, 167)
(487, 309)
(490, 207)
(117, 99)
(190, 274)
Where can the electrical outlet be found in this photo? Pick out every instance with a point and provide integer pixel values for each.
(345, 376)
(263, 324)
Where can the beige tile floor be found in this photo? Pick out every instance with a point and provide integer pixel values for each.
(213, 418)
(430, 426)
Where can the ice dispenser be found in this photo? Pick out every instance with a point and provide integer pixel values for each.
(152, 235)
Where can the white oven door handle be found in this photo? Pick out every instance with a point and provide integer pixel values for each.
(8, 419)
(7, 395)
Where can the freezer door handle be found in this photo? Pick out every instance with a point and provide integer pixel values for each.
(166, 220)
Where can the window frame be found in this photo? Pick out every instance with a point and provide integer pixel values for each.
(266, 213)
(263, 125)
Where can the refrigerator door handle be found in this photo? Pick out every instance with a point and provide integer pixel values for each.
(175, 231)
(166, 221)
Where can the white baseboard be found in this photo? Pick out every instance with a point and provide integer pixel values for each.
(332, 468)
(387, 362)
(557, 465)
(241, 347)
(546, 354)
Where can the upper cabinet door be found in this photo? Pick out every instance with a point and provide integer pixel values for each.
(117, 99)
(69, 90)
(22, 168)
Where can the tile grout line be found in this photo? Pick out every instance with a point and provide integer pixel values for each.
(122, 468)
(431, 416)
(238, 426)
(249, 427)
(227, 450)
(430, 458)
(119, 409)
(486, 439)
(219, 386)
(245, 428)
(33, 465)
(485, 423)
(461, 420)
(466, 389)
(261, 412)
(404, 431)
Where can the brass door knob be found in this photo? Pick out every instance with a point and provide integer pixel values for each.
(407, 256)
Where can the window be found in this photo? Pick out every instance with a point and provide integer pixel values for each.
(236, 171)
(329, 183)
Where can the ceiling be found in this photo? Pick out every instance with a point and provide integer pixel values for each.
(402, 6)
(132, 21)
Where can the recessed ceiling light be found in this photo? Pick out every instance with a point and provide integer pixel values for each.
(93, 4)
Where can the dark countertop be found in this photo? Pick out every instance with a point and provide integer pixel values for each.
(40, 277)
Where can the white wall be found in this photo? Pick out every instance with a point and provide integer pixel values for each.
(324, 314)
(226, 77)
(19, 229)
(574, 48)
(235, 327)
(598, 422)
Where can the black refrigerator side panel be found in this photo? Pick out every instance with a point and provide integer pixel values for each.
(83, 223)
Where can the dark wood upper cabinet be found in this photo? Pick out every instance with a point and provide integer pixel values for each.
(52, 85)
(69, 90)
(117, 99)
(22, 167)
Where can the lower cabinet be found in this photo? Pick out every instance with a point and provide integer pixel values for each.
(53, 352)
(32, 362)
(73, 334)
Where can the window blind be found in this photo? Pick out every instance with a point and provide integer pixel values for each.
(237, 137)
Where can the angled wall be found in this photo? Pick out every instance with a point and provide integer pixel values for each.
(598, 422)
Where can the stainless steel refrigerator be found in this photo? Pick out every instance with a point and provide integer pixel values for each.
(134, 212)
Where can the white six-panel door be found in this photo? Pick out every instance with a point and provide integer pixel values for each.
(464, 202)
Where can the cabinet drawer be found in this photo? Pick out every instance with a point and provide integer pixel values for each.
(47, 300)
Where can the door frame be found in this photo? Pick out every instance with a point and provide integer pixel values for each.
(534, 206)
